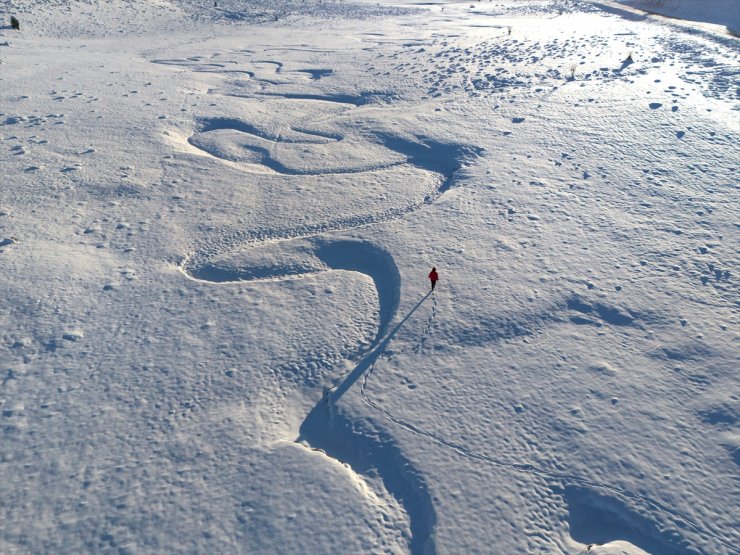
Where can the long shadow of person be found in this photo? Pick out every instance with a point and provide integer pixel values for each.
(371, 357)
(370, 450)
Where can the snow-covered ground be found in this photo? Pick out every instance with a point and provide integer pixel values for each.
(725, 13)
(216, 223)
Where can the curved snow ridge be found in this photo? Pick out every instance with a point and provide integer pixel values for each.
(373, 261)
(199, 264)
(328, 136)
(369, 450)
(348, 100)
(389, 527)
(226, 147)
(361, 444)
(444, 159)
(567, 480)
(292, 151)
(206, 125)
(195, 64)
(302, 258)
(596, 519)
(270, 73)
(301, 151)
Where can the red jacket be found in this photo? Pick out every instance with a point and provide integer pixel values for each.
(433, 276)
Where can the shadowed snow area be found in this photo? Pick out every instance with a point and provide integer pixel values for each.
(369, 450)
(597, 519)
(217, 333)
(376, 263)
(720, 12)
(615, 548)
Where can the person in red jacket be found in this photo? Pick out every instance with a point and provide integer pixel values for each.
(433, 277)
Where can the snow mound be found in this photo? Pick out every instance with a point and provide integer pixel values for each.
(617, 548)
(720, 12)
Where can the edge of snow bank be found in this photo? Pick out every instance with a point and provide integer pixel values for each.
(717, 12)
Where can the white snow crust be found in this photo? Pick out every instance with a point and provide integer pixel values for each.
(718, 12)
(616, 548)
(216, 225)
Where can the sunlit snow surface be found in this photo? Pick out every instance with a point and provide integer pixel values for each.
(216, 223)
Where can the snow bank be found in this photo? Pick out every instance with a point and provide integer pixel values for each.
(617, 548)
(720, 12)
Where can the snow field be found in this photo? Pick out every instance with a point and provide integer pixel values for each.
(216, 330)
